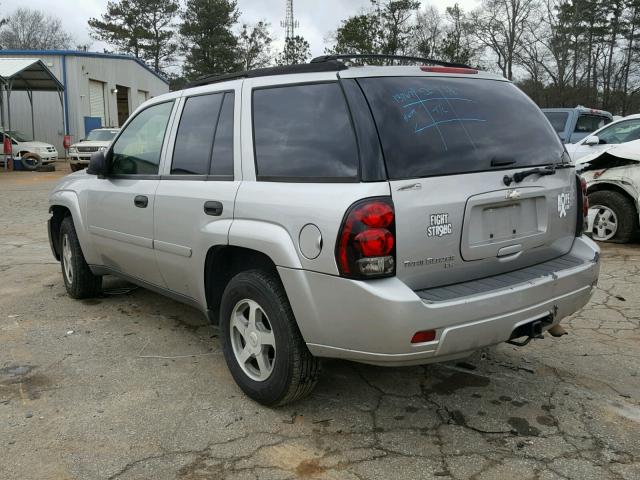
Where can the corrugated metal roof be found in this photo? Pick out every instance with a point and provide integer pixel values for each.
(80, 53)
(28, 74)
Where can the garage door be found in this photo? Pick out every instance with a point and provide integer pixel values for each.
(96, 99)
(142, 97)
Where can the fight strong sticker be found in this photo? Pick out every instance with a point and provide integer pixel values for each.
(439, 225)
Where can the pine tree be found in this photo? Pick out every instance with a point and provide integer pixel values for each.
(209, 44)
(296, 50)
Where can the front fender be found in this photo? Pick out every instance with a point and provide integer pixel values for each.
(271, 239)
(69, 199)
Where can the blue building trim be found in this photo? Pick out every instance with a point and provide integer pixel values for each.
(76, 53)
(64, 95)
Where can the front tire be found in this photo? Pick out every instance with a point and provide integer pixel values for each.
(79, 281)
(615, 217)
(262, 345)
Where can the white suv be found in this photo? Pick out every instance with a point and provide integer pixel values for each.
(97, 140)
(32, 153)
(386, 215)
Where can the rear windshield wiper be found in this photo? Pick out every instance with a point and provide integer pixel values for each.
(542, 171)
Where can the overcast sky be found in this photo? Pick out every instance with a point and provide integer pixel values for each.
(318, 18)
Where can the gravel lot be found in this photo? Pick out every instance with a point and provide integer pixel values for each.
(134, 386)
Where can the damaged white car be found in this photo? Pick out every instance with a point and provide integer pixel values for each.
(613, 185)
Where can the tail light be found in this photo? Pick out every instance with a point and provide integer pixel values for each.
(583, 205)
(366, 246)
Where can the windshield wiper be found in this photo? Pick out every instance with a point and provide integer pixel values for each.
(519, 176)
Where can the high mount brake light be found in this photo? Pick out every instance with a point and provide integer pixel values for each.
(464, 71)
(366, 246)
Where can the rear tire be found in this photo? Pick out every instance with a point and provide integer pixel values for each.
(290, 372)
(616, 218)
(79, 281)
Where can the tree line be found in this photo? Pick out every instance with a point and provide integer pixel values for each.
(560, 52)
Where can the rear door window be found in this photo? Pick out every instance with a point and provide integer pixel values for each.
(304, 132)
(441, 126)
(194, 140)
(558, 120)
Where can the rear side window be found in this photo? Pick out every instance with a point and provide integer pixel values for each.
(442, 126)
(558, 120)
(205, 118)
(304, 132)
(590, 123)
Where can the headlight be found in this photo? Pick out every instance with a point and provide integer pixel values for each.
(73, 150)
(102, 149)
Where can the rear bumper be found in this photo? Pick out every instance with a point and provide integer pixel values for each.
(374, 321)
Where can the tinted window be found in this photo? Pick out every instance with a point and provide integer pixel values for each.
(304, 131)
(137, 149)
(222, 160)
(439, 126)
(558, 120)
(194, 140)
(590, 123)
(621, 132)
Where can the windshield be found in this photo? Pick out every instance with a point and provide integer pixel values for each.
(558, 120)
(441, 126)
(101, 135)
(18, 136)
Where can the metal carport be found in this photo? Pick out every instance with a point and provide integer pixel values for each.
(27, 75)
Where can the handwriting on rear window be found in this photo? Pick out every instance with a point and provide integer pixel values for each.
(424, 109)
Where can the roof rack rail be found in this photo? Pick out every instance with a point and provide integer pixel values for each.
(329, 58)
(328, 66)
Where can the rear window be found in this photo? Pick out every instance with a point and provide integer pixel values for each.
(591, 123)
(558, 120)
(442, 126)
(304, 132)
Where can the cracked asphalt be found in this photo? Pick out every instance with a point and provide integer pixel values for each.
(134, 386)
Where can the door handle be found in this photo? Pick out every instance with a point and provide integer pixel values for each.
(213, 208)
(141, 201)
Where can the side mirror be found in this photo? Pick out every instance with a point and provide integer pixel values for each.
(97, 164)
(592, 140)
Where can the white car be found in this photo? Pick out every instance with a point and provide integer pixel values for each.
(624, 130)
(613, 185)
(31, 152)
(97, 140)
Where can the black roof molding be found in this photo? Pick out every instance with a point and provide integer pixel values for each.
(328, 66)
(373, 56)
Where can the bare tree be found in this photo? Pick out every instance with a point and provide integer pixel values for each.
(428, 32)
(254, 45)
(500, 25)
(33, 29)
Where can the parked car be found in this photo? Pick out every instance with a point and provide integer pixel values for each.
(98, 139)
(613, 185)
(31, 153)
(626, 129)
(574, 124)
(387, 215)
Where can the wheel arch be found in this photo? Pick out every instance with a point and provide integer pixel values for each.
(623, 189)
(58, 214)
(222, 263)
(68, 200)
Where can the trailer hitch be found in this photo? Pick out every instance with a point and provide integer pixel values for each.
(531, 330)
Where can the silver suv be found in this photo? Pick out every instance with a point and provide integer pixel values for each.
(389, 215)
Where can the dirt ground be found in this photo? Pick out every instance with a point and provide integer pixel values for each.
(133, 386)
